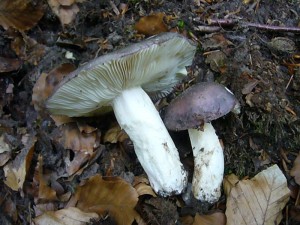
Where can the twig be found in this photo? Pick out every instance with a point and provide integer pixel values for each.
(230, 22)
(208, 29)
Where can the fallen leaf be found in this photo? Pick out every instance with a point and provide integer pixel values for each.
(259, 200)
(144, 189)
(115, 134)
(217, 218)
(19, 14)
(112, 194)
(4, 147)
(73, 138)
(46, 83)
(28, 49)
(186, 220)
(151, 25)
(67, 216)
(295, 171)
(5, 151)
(9, 208)
(15, 171)
(229, 182)
(45, 192)
(9, 64)
(216, 60)
(65, 10)
(215, 41)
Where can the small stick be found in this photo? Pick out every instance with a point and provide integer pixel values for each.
(230, 22)
(208, 29)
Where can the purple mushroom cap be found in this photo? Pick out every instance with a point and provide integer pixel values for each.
(199, 104)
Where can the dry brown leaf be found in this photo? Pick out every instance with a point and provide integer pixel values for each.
(9, 64)
(151, 25)
(295, 171)
(216, 60)
(19, 14)
(115, 134)
(144, 189)
(229, 182)
(73, 139)
(259, 200)
(28, 49)
(65, 10)
(67, 216)
(215, 41)
(46, 83)
(15, 171)
(45, 192)
(113, 195)
(217, 218)
(186, 220)
(9, 208)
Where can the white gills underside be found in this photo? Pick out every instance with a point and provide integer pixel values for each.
(156, 67)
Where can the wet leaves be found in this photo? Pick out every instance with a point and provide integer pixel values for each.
(259, 200)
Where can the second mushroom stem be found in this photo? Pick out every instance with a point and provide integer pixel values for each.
(153, 145)
(208, 163)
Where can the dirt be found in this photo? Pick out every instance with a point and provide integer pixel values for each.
(260, 66)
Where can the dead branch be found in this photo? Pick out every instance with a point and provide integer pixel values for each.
(271, 28)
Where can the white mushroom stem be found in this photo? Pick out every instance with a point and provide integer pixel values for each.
(153, 145)
(208, 163)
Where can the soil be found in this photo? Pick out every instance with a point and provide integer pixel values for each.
(260, 65)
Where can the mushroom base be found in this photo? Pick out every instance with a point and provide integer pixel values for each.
(208, 164)
(153, 145)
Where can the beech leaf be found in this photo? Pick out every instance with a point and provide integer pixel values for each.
(19, 14)
(259, 200)
(113, 195)
(15, 171)
(152, 24)
(67, 216)
(217, 218)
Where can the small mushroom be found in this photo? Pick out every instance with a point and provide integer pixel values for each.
(118, 80)
(193, 110)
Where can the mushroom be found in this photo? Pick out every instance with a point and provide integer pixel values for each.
(193, 110)
(118, 80)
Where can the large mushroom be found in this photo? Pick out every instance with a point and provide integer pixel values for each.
(193, 110)
(118, 80)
